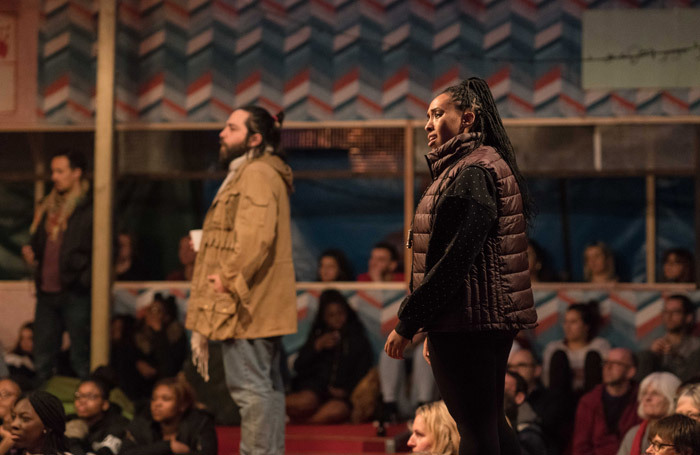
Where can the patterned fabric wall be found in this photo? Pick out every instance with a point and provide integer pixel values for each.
(631, 318)
(193, 60)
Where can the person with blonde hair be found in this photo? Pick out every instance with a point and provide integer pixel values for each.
(656, 393)
(434, 430)
(599, 264)
(688, 401)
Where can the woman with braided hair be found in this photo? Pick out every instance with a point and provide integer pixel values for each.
(470, 285)
(38, 424)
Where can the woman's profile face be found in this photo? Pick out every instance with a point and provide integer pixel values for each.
(335, 316)
(164, 406)
(421, 440)
(444, 121)
(27, 428)
(687, 407)
(328, 269)
(574, 327)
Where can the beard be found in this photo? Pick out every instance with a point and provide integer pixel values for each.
(228, 154)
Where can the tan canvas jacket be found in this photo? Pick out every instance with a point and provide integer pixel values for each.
(247, 241)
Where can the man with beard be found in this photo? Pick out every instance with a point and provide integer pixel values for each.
(606, 413)
(678, 351)
(60, 251)
(522, 417)
(243, 291)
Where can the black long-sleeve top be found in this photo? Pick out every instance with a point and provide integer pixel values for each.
(465, 214)
(196, 430)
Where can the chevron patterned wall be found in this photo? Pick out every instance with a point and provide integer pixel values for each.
(193, 60)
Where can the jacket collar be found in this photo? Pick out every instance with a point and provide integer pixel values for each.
(457, 147)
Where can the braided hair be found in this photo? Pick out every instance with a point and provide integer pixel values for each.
(474, 94)
(260, 121)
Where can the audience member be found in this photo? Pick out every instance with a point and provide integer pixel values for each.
(187, 256)
(608, 411)
(9, 392)
(383, 264)
(675, 435)
(335, 357)
(61, 252)
(160, 342)
(98, 427)
(572, 366)
(552, 408)
(678, 266)
(433, 430)
(688, 401)
(538, 266)
(173, 426)
(656, 393)
(333, 265)
(599, 264)
(123, 355)
(128, 266)
(20, 361)
(38, 424)
(678, 351)
(523, 418)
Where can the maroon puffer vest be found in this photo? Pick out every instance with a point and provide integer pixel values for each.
(496, 294)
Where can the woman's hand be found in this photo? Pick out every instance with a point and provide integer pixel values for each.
(327, 341)
(179, 447)
(395, 345)
(426, 352)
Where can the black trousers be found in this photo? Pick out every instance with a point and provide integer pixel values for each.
(469, 370)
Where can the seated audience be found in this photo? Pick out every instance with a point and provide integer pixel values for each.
(608, 411)
(160, 342)
(38, 424)
(523, 418)
(383, 264)
(174, 425)
(678, 351)
(433, 430)
(678, 266)
(572, 366)
(98, 426)
(20, 360)
(333, 265)
(674, 435)
(123, 355)
(539, 269)
(335, 357)
(688, 401)
(554, 412)
(599, 264)
(128, 266)
(9, 392)
(655, 398)
(187, 256)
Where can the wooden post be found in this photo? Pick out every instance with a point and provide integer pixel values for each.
(409, 176)
(36, 145)
(103, 185)
(697, 204)
(651, 227)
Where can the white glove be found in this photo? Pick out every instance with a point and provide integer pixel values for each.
(200, 354)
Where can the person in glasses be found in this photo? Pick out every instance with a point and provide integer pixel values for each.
(98, 426)
(674, 435)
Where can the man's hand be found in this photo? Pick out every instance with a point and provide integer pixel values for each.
(28, 255)
(660, 346)
(426, 352)
(200, 354)
(327, 341)
(215, 281)
(395, 345)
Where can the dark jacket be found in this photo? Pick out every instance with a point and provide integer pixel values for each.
(494, 291)
(75, 256)
(104, 437)
(341, 367)
(196, 430)
(591, 433)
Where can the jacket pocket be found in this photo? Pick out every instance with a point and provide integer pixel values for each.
(223, 316)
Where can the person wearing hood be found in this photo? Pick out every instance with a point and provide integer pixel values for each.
(243, 292)
(98, 426)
